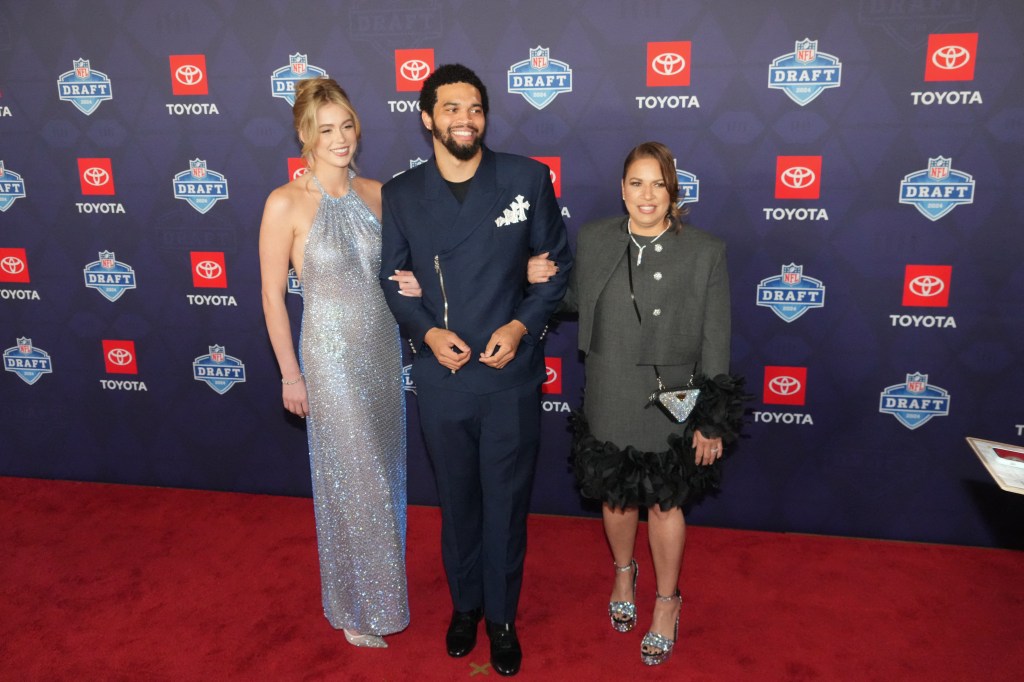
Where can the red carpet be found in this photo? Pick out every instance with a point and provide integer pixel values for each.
(104, 582)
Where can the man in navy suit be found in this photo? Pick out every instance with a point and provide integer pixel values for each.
(465, 223)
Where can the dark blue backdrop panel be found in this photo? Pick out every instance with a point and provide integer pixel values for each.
(860, 158)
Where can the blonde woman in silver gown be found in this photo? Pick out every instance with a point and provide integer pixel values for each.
(346, 380)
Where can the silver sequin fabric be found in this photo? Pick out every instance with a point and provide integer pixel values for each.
(350, 355)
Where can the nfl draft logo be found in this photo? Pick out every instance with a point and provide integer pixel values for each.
(219, 371)
(200, 186)
(689, 187)
(109, 277)
(283, 80)
(84, 87)
(294, 284)
(407, 382)
(915, 402)
(539, 79)
(12, 187)
(804, 73)
(412, 164)
(27, 361)
(791, 294)
(938, 189)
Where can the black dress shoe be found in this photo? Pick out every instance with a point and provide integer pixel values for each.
(461, 637)
(506, 654)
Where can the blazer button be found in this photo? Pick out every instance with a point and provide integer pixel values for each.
(657, 276)
(656, 312)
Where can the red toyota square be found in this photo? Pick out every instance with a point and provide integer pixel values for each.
(208, 270)
(188, 74)
(553, 379)
(927, 285)
(412, 68)
(785, 385)
(951, 57)
(296, 166)
(668, 64)
(13, 265)
(798, 177)
(554, 164)
(119, 357)
(96, 176)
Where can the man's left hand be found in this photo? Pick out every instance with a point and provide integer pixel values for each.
(502, 346)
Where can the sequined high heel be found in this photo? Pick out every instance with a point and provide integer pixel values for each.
(655, 649)
(623, 613)
(367, 641)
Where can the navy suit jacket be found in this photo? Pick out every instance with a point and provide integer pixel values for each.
(481, 247)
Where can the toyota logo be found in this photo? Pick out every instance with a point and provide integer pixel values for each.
(95, 176)
(209, 269)
(119, 356)
(552, 376)
(798, 177)
(951, 57)
(927, 285)
(188, 74)
(668, 63)
(12, 265)
(415, 70)
(299, 172)
(784, 385)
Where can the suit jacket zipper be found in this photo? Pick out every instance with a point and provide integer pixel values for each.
(444, 295)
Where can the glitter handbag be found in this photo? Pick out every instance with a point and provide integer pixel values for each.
(676, 403)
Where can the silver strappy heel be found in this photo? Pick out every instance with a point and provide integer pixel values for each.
(623, 613)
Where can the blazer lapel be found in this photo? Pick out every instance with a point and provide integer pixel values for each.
(479, 208)
(437, 202)
(606, 259)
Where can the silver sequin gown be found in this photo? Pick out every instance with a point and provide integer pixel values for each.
(351, 358)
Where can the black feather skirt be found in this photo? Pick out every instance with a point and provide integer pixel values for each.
(624, 477)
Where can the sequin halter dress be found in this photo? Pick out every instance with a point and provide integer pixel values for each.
(351, 359)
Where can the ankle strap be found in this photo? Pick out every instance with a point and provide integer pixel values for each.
(623, 569)
(673, 597)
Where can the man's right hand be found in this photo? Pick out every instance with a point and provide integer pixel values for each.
(451, 351)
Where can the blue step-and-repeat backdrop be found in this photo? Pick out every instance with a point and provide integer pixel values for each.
(862, 159)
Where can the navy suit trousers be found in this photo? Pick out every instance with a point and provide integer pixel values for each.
(484, 451)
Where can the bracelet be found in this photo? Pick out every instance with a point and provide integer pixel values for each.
(293, 381)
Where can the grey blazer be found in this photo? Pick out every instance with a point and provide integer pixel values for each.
(693, 324)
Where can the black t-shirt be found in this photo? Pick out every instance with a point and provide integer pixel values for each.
(460, 189)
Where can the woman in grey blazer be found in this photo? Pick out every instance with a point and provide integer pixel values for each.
(625, 455)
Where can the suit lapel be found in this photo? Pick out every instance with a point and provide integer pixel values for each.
(454, 222)
(437, 202)
(606, 259)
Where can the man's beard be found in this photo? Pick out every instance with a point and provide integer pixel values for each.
(459, 151)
